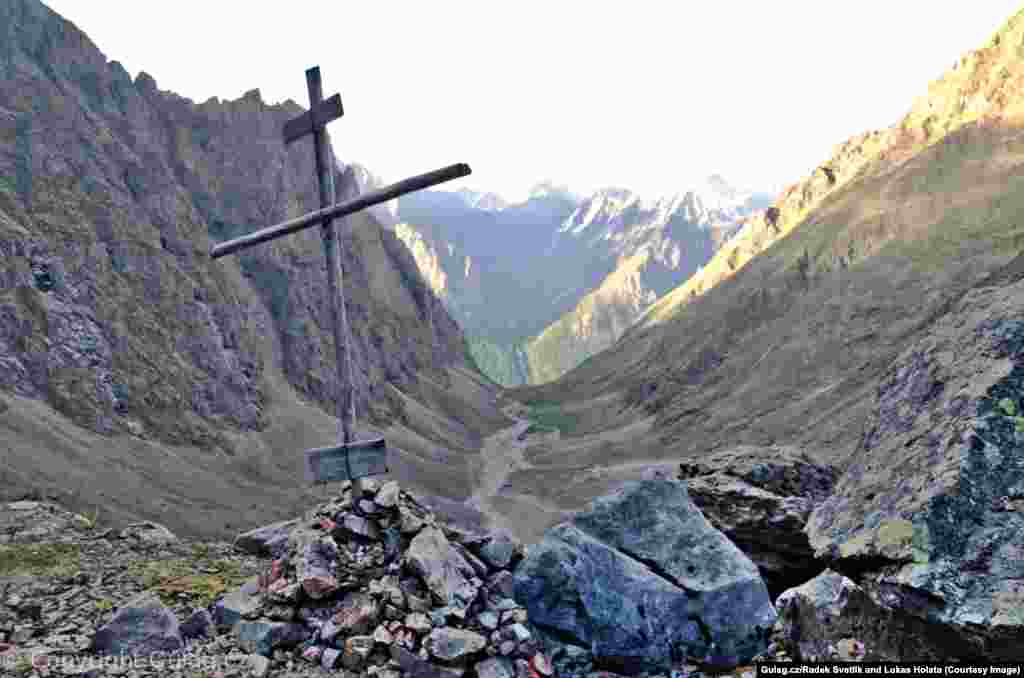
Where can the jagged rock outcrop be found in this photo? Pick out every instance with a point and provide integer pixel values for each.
(640, 580)
(929, 516)
(761, 498)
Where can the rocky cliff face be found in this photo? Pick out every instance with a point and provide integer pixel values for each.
(112, 193)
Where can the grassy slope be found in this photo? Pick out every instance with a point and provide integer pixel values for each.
(785, 343)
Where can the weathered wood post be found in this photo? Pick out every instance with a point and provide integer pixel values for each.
(322, 464)
(345, 402)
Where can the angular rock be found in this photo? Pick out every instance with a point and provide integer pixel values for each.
(268, 541)
(360, 527)
(383, 636)
(495, 667)
(478, 566)
(501, 584)
(258, 665)
(357, 649)
(414, 666)
(315, 562)
(387, 495)
(418, 622)
(520, 632)
(514, 616)
(451, 645)
(445, 572)
(198, 625)
(141, 627)
(541, 664)
(761, 497)
(499, 550)
(488, 620)
(410, 524)
(930, 512)
(642, 578)
(148, 532)
(260, 637)
(242, 603)
(358, 614)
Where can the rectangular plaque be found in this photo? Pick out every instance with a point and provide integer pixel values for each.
(332, 464)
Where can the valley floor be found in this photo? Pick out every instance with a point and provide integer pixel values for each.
(502, 454)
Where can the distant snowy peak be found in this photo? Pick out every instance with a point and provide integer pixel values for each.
(547, 187)
(490, 202)
(710, 203)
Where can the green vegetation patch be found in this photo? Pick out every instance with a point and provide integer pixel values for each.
(496, 362)
(548, 417)
(38, 560)
(202, 579)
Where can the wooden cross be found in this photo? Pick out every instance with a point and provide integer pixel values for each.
(350, 460)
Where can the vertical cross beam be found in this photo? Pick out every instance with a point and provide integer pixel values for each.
(335, 282)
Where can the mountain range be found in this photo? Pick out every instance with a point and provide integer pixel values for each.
(593, 263)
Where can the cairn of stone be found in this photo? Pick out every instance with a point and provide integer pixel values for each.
(372, 584)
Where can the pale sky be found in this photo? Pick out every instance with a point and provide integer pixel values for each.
(650, 95)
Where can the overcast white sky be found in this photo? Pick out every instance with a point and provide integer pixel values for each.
(646, 94)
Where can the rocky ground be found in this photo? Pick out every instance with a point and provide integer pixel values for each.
(72, 590)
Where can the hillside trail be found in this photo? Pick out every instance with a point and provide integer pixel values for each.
(502, 453)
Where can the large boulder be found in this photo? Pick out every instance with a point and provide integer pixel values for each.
(929, 516)
(642, 579)
(141, 627)
(761, 498)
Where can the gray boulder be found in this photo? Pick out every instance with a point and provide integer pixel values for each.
(269, 540)
(642, 579)
(148, 532)
(761, 498)
(141, 627)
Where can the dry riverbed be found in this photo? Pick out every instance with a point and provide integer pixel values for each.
(501, 454)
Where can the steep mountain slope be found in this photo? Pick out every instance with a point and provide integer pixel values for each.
(877, 329)
(156, 382)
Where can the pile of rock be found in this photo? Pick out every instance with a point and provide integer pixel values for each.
(370, 583)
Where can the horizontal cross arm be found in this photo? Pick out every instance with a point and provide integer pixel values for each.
(342, 209)
(326, 111)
